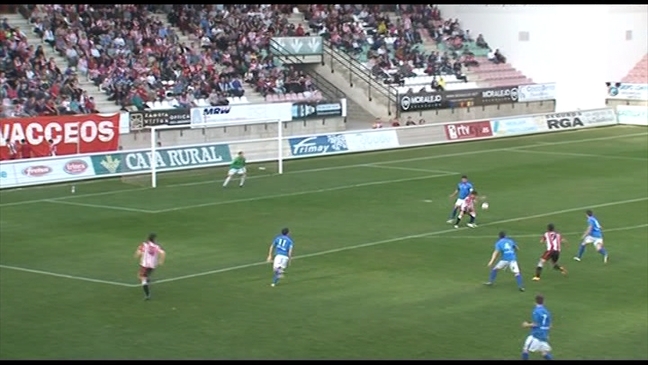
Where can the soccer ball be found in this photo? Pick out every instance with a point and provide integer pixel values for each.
(484, 205)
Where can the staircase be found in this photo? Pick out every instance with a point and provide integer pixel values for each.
(253, 96)
(101, 99)
(363, 102)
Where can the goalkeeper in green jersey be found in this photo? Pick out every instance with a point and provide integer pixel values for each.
(237, 167)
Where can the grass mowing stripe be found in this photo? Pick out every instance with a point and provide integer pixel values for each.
(403, 238)
(347, 248)
(332, 168)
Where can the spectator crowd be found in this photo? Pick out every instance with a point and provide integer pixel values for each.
(239, 38)
(31, 84)
(392, 48)
(130, 53)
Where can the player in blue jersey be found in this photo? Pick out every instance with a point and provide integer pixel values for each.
(507, 248)
(464, 188)
(594, 235)
(282, 247)
(538, 339)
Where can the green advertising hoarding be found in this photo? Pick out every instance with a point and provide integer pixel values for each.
(166, 159)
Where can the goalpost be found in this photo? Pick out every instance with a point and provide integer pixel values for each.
(181, 145)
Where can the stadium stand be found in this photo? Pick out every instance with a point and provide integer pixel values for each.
(639, 73)
(110, 57)
(239, 38)
(134, 58)
(412, 46)
(31, 81)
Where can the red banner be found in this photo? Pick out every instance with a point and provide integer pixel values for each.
(470, 130)
(71, 134)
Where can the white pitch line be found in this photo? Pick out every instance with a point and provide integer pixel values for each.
(538, 235)
(520, 150)
(297, 193)
(80, 278)
(347, 248)
(402, 168)
(404, 238)
(100, 206)
(423, 158)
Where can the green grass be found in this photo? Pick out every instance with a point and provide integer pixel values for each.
(381, 275)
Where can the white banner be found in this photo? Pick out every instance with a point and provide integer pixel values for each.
(242, 112)
(632, 114)
(514, 126)
(369, 141)
(124, 123)
(536, 92)
(628, 92)
(580, 119)
(43, 171)
(7, 176)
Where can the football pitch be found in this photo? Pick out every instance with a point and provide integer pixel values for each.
(378, 273)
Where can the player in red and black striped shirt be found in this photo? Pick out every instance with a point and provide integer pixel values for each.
(554, 241)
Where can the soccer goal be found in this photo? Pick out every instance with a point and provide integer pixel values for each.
(196, 147)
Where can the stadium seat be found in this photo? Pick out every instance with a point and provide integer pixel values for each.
(639, 73)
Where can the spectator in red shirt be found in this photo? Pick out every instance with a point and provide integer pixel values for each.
(25, 149)
(300, 32)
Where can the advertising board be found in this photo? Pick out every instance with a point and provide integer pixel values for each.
(71, 133)
(426, 100)
(109, 164)
(516, 126)
(469, 130)
(579, 119)
(43, 171)
(624, 91)
(632, 114)
(169, 158)
(536, 92)
(154, 118)
(241, 112)
(322, 109)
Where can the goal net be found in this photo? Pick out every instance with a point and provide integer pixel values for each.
(194, 154)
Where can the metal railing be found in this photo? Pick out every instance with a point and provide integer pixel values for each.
(326, 87)
(359, 72)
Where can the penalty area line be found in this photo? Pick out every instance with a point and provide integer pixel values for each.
(305, 192)
(98, 206)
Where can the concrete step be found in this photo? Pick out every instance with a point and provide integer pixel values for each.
(358, 96)
(359, 93)
(357, 116)
(13, 18)
(300, 59)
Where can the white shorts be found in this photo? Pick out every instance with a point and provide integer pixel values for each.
(459, 202)
(280, 262)
(236, 171)
(594, 240)
(532, 344)
(512, 265)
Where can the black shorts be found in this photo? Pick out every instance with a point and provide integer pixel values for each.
(145, 272)
(551, 255)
